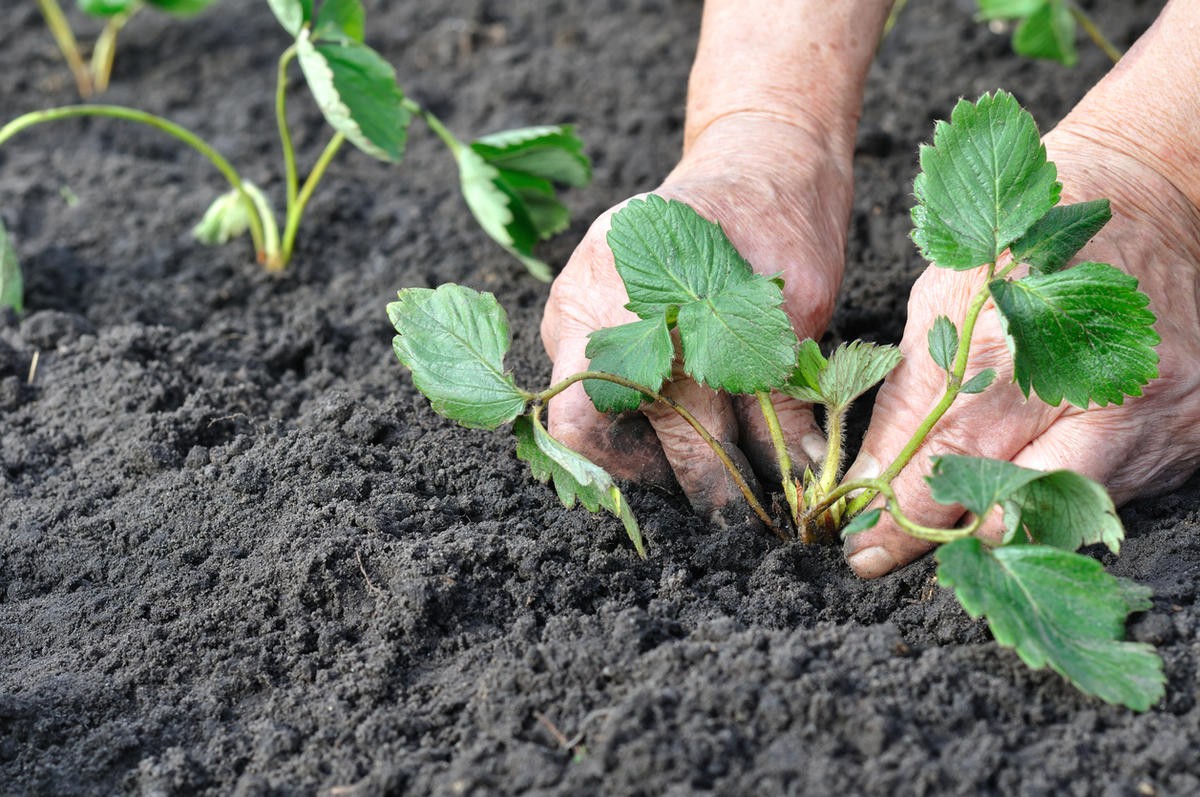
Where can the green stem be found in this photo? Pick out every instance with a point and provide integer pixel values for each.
(258, 221)
(911, 527)
(64, 37)
(105, 51)
(833, 453)
(683, 413)
(893, 17)
(1093, 31)
(296, 210)
(775, 429)
(953, 387)
(285, 136)
(435, 124)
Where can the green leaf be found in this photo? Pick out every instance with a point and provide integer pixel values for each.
(1056, 609)
(180, 8)
(851, 370)
(551, 152)
(1065, 510)
(292, 14)
(106, 8)
(1083, 334)
(356, 91)
(339, 19)
(1008, 9)
(860, 523)
(575, 477)
(982, 184)
(678, 265)
(1056, 237)
(454, 339)
(943, 342)
(508, 182)
(976, 482)
(12, 287)
(1048, 33)
(641, 351)
(980, 382)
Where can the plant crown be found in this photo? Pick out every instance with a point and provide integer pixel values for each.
(1080, 334)
(507, 179)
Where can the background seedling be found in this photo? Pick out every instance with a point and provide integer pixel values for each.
(508, 179)
(1081, 334)
(1046, 28)
(92, 77)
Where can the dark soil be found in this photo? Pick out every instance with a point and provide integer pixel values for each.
(240, 555)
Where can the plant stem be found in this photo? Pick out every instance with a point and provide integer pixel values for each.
(296, 210)
(953, 386)
(258, 221)
(64, 37)
(435, 124)
(784, 459)
(1093, 31)
(105, 51)
(911, 527)
(682, 412)
(285, 136)
(834, 418)
(892, 18)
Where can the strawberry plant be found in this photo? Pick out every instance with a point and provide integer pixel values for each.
(986, 200)
(1046, 28)
(507, 179)
(93, 76)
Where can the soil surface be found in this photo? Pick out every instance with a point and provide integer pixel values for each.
(240, 555)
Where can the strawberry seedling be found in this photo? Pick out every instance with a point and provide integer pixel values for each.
(1046, 28)
(508, 178)
(1081, 334)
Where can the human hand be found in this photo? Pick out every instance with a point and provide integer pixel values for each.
(783, 198)
(1148, 445)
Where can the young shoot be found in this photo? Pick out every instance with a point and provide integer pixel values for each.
(1045, 29)
(508, 178)
(1081, 334)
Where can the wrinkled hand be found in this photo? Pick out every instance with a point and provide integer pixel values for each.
(1146, 446)
(784, 201)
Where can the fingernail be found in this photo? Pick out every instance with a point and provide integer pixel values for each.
(814, 446)
(865, 467)
(872, 562)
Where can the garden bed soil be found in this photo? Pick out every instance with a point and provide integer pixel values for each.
(240, 555)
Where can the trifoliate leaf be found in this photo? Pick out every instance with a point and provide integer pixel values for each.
(12, 287)
(943, 342)
(1048, 33)
(678, 265)
(356, 91)
(338, 19)
(454, 339)
(867, 520)
(575, 477)
(851, 370)
(982, 184)
(1008, 9)
(805, 382)
(1055, 238)
(551, 152)
(1056, 609)
(980, 382)
(181, 8)
(292, 14)
(226, 218)
(1083, 334)
(1065, 510)
(976, 482)
(641, 351)
(508, 182)
(106, 8)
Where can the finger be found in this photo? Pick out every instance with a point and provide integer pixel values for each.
(802, 438)
(711, 489)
